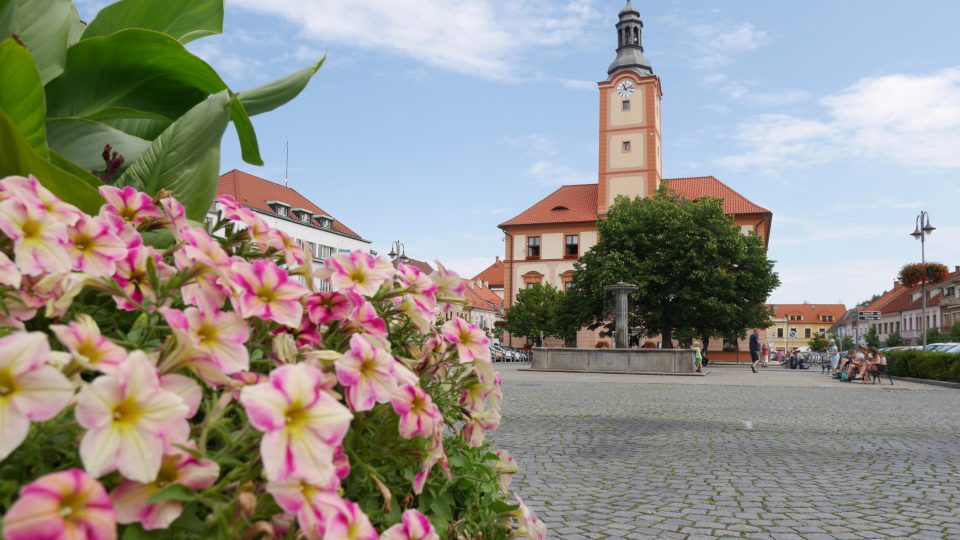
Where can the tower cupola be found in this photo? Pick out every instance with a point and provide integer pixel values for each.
(629, 48)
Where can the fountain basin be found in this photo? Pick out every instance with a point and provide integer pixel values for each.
(643, 361)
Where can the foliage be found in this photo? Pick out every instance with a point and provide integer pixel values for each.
(207, 390)
(818, 343)
(698, 275)
(846, 343)
(915, 274)
(125, 81)
(935, 336)
(894, 340)
(925, 365)
(955, 332)
(536, 310)
(872, 337)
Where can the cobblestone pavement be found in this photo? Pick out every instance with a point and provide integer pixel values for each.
(782, 454)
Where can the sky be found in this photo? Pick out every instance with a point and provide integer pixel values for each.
(432, 121)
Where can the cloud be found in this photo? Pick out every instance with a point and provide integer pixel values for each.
(468, 266)
(848, 281)
(574, 84)
(534, 144)
(474, 37)
(716, 45)
(552, 174)
(740, 90)
(911, 120)
(233, 66)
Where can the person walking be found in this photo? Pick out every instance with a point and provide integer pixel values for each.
(765, 354)
(755, 349)
(698, 356)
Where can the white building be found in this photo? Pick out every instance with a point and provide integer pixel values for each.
(285, 209)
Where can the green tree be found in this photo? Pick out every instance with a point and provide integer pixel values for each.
(846, 343)
(698, 275)
(818, 343)
(934, 336)
(955, 332)
(536, 310)
(894, 340)
(872, 337)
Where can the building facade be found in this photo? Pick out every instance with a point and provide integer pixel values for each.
(794, 325)
(543, 242)
(285, 209)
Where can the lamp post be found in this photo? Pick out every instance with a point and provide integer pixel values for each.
(920, 232)
(397, 252)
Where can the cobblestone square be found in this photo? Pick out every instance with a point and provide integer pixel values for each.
(782, 454)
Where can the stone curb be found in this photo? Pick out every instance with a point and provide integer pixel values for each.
(612, 372)
(931, 382)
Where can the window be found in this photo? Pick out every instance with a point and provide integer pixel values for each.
(305, 217)
(796, 317)
(780, 333)
(566, 279)
(533, 247)
(572, 246)
(209, 222)
(532, 279)
(806, 333)
(823, 332)
(626, 104)
(626, 146)
(282, 210)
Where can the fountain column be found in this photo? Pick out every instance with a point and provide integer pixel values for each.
(621, 292)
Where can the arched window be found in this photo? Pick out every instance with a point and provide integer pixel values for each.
(636, 35)
(620, 37)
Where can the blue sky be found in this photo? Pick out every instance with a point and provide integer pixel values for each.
(435, 120)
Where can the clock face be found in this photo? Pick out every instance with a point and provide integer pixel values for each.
(625, 89)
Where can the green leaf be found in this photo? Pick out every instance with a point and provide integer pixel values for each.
(8, 18)
(142, 124)
(269, 96)
(185, 158)
(22, 95)
(502, 507)
(82, 141)
(74, 169)
(173, 492)
(17, 157)
(441, 506)
(143, 70)
(48, 27)
(184, 20)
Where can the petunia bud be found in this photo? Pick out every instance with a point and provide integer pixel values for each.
(284, 348)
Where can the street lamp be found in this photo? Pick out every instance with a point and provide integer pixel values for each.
(920, 232)
(397, 252)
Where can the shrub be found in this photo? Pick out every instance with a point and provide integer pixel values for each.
(925, 365)
(207, 388)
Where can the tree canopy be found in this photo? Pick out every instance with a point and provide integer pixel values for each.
(537, 310)
(699, 276)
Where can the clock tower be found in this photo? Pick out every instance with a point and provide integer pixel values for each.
(630, 160)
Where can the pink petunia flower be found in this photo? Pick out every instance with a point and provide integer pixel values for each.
(471, 342)
(219, 337)
(421, 290)
(530, 525)
(450, 286)
(39, 240)
(132, 276)
(88, 347)
(304, 500)
(131, 420)
(477, 424)
(324, 307)
(419, 416)
(31, 192)
(435, 454)
(130, 499)
(506, 467)
(265, 291)
(346, 521)
(62, 505)
(201, 250)
(357, 271)
(293, 253)
(366, 372)
(30, 390)
(9, 273)
(413, 526)
(256, 228)
(175, 215)
(94, 248)
(302, 423)
(131, 205)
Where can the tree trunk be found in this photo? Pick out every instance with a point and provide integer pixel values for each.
(667, 336)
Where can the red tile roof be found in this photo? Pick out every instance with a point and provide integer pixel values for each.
(578, 203)
(419, 265)
(254, 192)
(568, 204)
(481, 297)
(493, 275)
(886, 298)
(698, 187)
(810, 312)
(935, 301)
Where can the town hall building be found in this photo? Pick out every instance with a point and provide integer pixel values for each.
(544, 241)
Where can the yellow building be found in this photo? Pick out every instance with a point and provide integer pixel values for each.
(794, 325)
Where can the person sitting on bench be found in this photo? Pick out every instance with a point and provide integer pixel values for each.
(874, 358)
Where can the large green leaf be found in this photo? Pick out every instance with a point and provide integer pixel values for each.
(140, 124)
(8, 18)
(185, 158)
(18, 158)
(184, 20)
(22, 94)
(269, 96)
(143, 70)
(82, 141)
(74, 169)
(48, 27)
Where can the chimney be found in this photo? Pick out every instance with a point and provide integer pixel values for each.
(498, 258)
(896, 284)
(956, 268)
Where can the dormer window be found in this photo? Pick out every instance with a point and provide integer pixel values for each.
(559, 208)
(303, 214)
(325, 221)
(282, 209)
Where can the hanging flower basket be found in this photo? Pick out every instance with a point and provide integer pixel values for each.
(915, 274)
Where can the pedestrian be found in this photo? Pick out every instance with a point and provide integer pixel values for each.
(834, 353)
(755, 349)
(765, 354)
(698, 356)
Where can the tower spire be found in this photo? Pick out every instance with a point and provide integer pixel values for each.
(629, 43)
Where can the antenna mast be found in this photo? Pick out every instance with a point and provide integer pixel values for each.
(286, 166)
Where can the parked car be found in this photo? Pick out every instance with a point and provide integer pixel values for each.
(944, 347)
(497, 353)
(953, 350)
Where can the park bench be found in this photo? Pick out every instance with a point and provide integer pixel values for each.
(876, 373)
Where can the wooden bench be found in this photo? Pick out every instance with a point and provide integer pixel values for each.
(877, 371)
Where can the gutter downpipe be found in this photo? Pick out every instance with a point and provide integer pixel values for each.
(509, 290)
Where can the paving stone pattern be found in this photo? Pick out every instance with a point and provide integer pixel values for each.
(781, 455)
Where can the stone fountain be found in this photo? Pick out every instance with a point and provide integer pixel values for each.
(620, 359)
